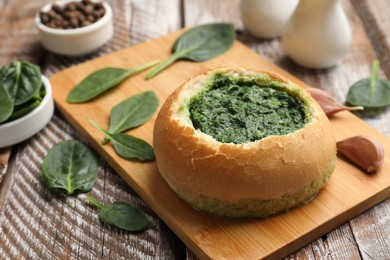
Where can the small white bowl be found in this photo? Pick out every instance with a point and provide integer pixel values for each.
(23, 128)
(78, 41)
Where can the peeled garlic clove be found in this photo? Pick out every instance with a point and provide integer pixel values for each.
(363, 151)
(327, 103)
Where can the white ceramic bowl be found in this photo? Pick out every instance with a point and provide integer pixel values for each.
(78, 41)
(23, 128)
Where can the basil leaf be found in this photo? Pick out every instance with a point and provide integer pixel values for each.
(21, 80)
(101, 80)
(133, 112)
(128, 146)
(70, 165)
(122, 215)
(370, 92)
(199, 44)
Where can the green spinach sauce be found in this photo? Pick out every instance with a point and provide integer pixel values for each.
(246, 109)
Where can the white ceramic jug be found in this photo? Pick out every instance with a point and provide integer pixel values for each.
(318, 34)
(266, 18)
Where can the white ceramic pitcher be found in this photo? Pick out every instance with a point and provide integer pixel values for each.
(318, 34)
(266, 18)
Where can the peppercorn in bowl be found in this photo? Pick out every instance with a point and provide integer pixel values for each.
(75, 28)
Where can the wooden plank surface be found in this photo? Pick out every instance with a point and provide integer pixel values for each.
(367, 236)
(349, 192)
(369, 22)
(38, 224)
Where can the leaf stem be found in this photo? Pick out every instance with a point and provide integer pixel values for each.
(175, 56)
(106, 140)
(18, 70)
(37, 97)
(99, 128)
(96, 203)
(374, 78)
(143, 67)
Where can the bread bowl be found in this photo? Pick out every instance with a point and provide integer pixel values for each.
(255, 178)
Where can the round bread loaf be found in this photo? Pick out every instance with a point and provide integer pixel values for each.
(251, 179)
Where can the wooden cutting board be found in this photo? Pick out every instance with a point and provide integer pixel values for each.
(349, 192)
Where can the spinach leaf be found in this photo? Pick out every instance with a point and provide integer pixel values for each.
(122, 215)
(21, 80)
(133, 112)
(199, 44)
(28, 106)
(6, 104)
(370, 92)
(70, 165)
(128, 146)
(131, 147)
(101, 80)
(24, 110)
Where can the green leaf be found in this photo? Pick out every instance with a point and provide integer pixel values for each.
(128, 146)
(28, 106)
(18, 113)
(122, 215)
(22, 80)
(102, 80)
(131, 147)
(70, 165)
(133, 112)
(370, 92)
(205, 42)
(6, 105)
(199, 44)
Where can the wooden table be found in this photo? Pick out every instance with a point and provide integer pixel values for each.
(38, 223)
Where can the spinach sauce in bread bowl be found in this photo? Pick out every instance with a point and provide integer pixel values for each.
(243, 143)
(241, 110)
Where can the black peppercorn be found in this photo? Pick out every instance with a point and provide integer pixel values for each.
(57, 9)
(74, 23)
(73, 15)
(88, 9)
(45, 18)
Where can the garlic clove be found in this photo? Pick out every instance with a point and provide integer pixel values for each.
(327, 103)
(363, 151)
